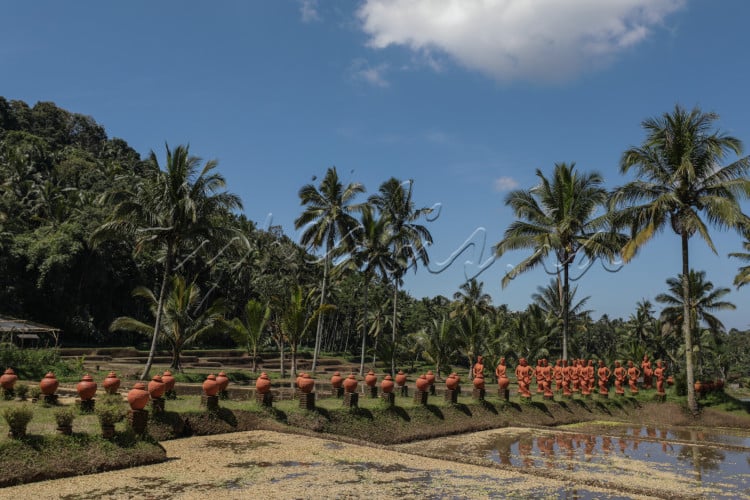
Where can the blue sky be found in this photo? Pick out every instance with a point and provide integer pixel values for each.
(466, 97)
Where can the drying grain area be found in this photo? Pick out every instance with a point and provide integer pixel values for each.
(264, 464)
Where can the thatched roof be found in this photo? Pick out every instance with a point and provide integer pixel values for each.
(13, 328)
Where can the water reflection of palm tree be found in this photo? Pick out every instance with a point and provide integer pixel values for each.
(665, 445)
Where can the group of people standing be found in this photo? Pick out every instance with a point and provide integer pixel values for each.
(577, 376)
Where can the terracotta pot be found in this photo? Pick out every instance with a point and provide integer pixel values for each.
(138, 396)
(223, 381)
(263, 384)
(698, 386)
(455, 375)
(423, 384)
(387, 385)
(350, 383)
(156, 387)
(371, 379)
(296, 380)
(451, 382)
(111, 383)
(49, 384)
(430, 377)
(479, 381)
(306, 383)
(401, 378)
(86, 388)
(503, 382)
(210, 386)
(168, 380)
(336, 380)
(8, 379)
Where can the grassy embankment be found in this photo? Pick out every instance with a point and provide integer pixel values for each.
(42, 454)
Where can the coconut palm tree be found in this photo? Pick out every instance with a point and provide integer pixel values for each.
(179, 209)
(471, 296)
(438, 342)
(249, 329)
(328, 222)
(563, 217)
(370, 255)
(296, 316)
(408, 239)
(682, 184)
(179, 323)
(743, 275)
(703, 301)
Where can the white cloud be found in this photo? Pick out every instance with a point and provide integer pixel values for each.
(550, 40)
(505, 184)
(374, 75)
(309, 11)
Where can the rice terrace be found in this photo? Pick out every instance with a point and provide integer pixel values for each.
(375, 249)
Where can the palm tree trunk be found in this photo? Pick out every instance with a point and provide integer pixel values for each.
(159, 309)
(255, 356)
(393, 329)
(293, 371)
(364, 335)
(687, 327)
(176, 365)
(319, 329)
(566, 315)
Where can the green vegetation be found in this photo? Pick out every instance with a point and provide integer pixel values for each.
(18, 418)
(85, 222)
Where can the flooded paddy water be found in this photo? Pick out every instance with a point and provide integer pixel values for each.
(626, 459)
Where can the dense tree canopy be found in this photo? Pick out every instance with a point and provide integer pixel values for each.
(172, 233)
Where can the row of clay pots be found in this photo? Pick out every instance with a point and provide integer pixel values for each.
(214, 384)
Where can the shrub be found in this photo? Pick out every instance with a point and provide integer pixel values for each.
(18, 418)
(64, 417)
(21, 391)
(109, 414)
(35, 391)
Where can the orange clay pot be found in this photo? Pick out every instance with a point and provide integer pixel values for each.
(371, 379)
(479, 381)
(430, 377)
(111, 383)
(210, 386)
(223, 381)
(49, 384)
(336, 380)
(138, 396)
(387, 385)
(350, 383)
(8, 379)
(401, 378)
(86, 388)
(451, 382)
(423, 384)
(168, 380)
(156, 387)
(305, 383)
(263, 384)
